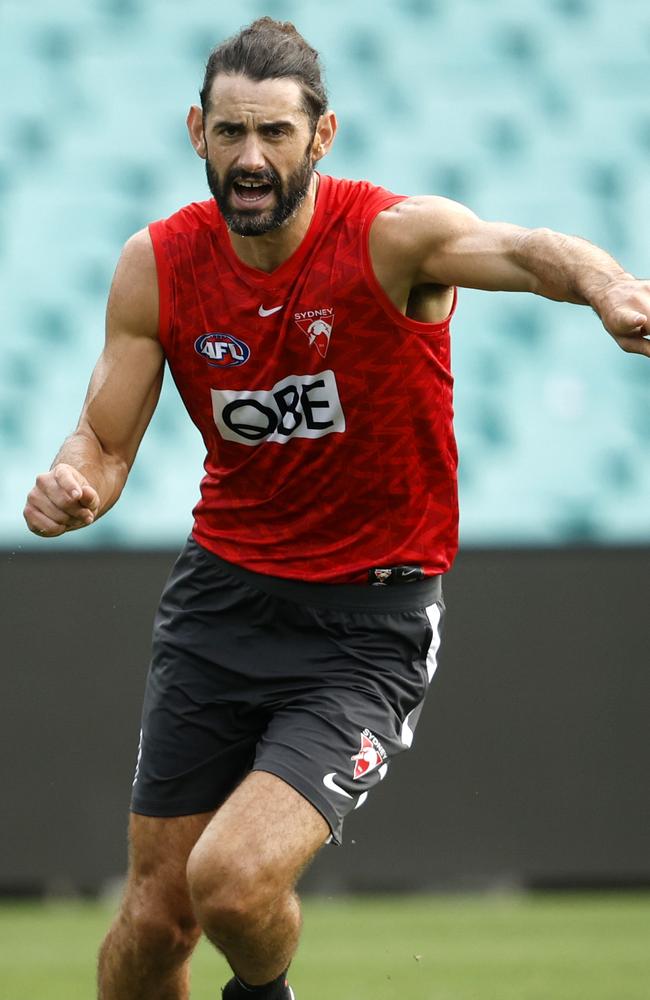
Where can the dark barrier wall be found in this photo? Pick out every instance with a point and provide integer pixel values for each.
(530, 763)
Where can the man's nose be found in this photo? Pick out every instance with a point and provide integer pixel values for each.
(251, 156)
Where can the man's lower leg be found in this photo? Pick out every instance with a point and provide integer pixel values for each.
(259, 944)
(241, 876)
(142, 963)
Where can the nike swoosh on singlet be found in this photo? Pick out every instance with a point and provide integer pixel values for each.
(330, 783)
(269, 312)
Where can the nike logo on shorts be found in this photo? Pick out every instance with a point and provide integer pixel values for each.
(330, 783)
(269, 312)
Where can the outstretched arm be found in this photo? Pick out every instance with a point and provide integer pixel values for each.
(91, 468)
(448, 245)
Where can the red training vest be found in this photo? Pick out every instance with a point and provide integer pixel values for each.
(326, 413)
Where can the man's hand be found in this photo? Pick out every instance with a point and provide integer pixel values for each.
(624, 308)
(61, 500)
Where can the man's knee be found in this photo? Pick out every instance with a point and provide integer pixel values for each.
(244, 866)
(230, 893)
(158, 926)
(156, 917)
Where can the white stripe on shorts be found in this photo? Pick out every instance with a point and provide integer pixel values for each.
(433, 614)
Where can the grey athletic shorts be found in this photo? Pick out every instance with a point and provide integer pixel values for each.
(319, 684)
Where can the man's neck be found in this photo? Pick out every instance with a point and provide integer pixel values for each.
(268, 252)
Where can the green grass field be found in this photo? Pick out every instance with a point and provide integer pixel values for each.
(582, 947)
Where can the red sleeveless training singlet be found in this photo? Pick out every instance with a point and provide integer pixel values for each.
(326, 414)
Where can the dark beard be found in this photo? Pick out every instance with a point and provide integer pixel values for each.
(289, 197)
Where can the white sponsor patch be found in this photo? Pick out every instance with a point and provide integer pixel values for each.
(305, 406)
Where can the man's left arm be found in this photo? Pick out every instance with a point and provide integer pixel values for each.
(452, 246)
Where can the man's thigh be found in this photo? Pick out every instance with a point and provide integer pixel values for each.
(202, 717)
(334, 740)
(265, 831)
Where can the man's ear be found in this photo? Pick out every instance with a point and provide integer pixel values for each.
(196, 131)
(324, 135)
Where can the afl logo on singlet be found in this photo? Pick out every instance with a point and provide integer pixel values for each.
(222, 350)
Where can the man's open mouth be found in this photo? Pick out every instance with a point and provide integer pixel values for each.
(251, 192)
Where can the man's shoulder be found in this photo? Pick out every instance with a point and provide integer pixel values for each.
(194, 215)
(350, 195)
(402, 216)
(420, 219)
(428, 209)
(407, 235)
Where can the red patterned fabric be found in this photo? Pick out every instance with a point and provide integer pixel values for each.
(326, 414)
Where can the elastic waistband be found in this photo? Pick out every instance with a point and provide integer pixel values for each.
(408, 597)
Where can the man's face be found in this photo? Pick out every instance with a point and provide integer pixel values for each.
(259, 142)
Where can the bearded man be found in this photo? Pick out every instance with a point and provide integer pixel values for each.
(305, 320)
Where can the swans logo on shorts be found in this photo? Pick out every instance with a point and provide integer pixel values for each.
(371, 755)
(222, 350)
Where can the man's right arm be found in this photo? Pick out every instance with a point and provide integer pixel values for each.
(91, 468)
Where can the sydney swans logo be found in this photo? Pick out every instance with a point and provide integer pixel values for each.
(317, 326)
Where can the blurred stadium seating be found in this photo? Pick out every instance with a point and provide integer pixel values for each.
(533, 111)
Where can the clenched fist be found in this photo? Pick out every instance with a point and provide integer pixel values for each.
(61, 500)
(624, 308)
